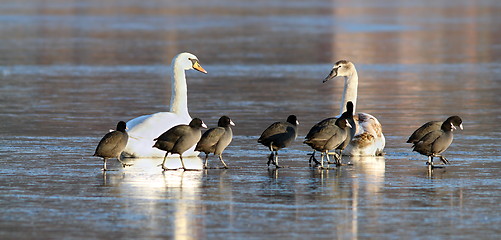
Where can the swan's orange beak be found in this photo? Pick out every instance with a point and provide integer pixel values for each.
(198, 67)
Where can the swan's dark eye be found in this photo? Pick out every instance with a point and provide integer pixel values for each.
(193, 61)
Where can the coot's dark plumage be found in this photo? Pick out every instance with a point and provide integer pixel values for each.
(112, 144)
(215, 140)
(329, 123)
(432, 126)
(328, 136)
(434, 143)
(179, 138)
(353, 129)
(279, 135)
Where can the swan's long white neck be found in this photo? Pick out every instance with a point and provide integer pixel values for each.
(350, 91)
(179, 96)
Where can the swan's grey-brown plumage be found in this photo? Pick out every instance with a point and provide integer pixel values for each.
(434, 143)
(112, 144)
(277, 136)
(430, 127)
(215, 140)
(369, 139)
(179, 138)
(143, 129)
(330, 134)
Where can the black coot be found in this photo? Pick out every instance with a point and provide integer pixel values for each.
(277, 136)
(328, 123)
(327, 136)
(179, 138)
(434, 143)
(112, 145)
(430, 127)
(215, 140)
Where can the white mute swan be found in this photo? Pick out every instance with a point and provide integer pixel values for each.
(143, 129)
(369, 139)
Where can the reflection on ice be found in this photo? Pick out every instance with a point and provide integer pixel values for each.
(183, 188)
(62, 82)
(173, 194)
(367, 184)
(191, 163)
(373, 169)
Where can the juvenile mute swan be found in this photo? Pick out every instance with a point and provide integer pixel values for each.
(369, 139)
(143, 129)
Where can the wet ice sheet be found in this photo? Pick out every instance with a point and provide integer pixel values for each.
(70, 71)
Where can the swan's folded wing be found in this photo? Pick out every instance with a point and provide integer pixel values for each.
(367, 123)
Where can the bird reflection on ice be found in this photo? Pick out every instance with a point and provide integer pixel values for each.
(191, 163)
(175, 194)
(367, 181)
(373, 169)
